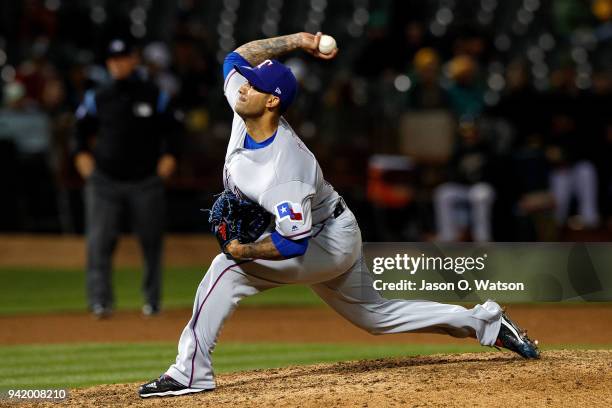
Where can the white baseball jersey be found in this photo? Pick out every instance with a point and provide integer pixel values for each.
(283, 177)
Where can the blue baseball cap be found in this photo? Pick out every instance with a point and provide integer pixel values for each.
(272, 77)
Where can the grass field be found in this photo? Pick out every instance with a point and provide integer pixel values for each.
(32, 290)
(38, 290)
(74, 365)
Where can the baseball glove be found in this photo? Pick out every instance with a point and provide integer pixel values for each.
(232, 217)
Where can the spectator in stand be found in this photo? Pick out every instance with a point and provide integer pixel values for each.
(466, 94)
(596, 121)
(194, 67)
(468, 183)
(607, 185)
(157, 58)
(426, 93)
(134, 152)
(520, 105)
(569, 148)
(378, 47)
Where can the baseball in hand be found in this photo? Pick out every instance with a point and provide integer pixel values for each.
(327, 44)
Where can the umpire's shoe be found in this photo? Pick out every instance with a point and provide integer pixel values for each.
(165, 386)
(514, 338)
(100, 312)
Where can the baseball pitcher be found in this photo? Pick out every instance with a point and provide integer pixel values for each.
(313, 238)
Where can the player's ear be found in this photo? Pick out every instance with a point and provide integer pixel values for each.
(273, 102)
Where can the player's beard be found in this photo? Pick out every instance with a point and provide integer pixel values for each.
(250, 111)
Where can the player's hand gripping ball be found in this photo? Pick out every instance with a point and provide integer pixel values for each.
(327, 44)
(232, 217)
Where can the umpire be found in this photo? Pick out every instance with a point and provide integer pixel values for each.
(126, 144)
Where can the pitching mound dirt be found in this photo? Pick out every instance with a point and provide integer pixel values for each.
(559, 379)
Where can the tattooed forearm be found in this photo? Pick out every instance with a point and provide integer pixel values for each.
(264, 249)
(255, 52)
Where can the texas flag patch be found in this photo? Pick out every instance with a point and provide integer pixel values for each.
(291, 210)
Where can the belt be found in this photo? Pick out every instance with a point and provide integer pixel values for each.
(339, 209)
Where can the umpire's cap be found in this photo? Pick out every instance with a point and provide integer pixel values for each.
(118, 48)
(272, 77)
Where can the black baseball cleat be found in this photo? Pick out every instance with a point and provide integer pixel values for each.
(515, 339)
(165, 386)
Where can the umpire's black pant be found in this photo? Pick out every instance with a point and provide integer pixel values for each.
(105, 201)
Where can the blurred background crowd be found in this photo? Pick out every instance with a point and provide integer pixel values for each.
(482, 120)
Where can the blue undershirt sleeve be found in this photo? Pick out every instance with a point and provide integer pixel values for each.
(233, 58)
(289, 248)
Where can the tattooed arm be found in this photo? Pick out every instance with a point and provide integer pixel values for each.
(264, 249)
(256, 52)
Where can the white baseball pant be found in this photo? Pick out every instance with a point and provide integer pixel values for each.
(335, 269)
